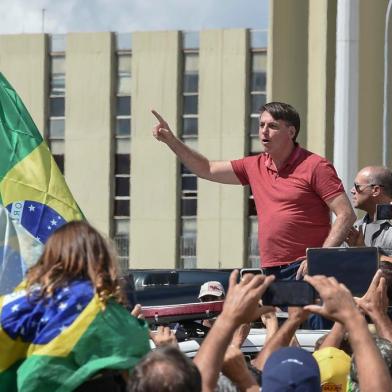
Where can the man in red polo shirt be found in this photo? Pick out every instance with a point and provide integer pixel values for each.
(294, 190)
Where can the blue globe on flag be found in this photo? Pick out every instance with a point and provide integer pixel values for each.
(37, 218)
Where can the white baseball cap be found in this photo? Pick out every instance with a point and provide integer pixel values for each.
(212, 287)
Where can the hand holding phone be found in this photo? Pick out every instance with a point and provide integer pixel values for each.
(289, 293)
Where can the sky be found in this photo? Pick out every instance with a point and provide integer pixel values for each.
(61, 16)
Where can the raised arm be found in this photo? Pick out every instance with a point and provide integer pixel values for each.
(282, 337)
(240, 306)
(216, 171)
(375, 304)
(339, 305)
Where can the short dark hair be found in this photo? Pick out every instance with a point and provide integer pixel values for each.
(168, 368)
(283, 111)
(381, 175)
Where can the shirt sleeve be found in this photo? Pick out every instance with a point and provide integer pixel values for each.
(326, 182)
(240, 171)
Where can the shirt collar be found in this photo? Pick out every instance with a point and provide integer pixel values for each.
(290, 161)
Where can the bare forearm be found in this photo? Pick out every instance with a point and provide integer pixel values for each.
(335, 337)
(373, 374)
(281, 338)
(209, 358)
(339, 230)
(193, 160)
(383, 326)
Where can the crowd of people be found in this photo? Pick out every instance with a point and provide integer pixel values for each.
(69, 327)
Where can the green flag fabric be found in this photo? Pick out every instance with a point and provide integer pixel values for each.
(55, 345)
(32, 187)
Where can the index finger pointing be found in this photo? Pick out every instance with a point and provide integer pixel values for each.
(158, 116)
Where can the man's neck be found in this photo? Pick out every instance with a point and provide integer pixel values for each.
(280, 157)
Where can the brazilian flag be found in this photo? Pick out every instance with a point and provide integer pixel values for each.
(32, 187)
(56, 344)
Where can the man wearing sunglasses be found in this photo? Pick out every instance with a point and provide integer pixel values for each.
(372, 186)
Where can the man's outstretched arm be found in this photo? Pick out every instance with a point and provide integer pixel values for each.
(217, 171)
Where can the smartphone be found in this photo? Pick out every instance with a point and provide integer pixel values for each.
(289, 293)
(253, 271)
(383, 211)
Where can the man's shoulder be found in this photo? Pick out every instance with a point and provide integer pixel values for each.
(313, 156)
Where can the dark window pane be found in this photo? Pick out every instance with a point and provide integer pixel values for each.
(56, 128)
(252, 207)
(122, 164)
(188, 207)
(191, 83)
(257, 101)
(123, 126)
(122, 186)
(56, 107)
(258, 81)
(189, 126)
(254, 126)
(190, 104)
(189, 183)
(59, 159)
(123, 106)
(121, 207)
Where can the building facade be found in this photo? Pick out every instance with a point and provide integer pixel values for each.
(91, 94)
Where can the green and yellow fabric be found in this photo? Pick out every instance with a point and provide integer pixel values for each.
(32, 187)
(58, 343)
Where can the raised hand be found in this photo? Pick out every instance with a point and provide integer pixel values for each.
(242, 301)
(375, 301)
(161, 131)
(338, 303)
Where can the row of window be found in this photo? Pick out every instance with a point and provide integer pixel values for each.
(189, 132)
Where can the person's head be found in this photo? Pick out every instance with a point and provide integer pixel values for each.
(211, 291)
(166, 369)
(291, 369)
(385, 347)
(334, 367)
(344, 345)
(372, 185)
(77, 251)
(279, 126)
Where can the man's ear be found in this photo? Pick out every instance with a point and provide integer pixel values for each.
(292, 131)
(376, 190)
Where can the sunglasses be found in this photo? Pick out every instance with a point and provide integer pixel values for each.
(358, 186)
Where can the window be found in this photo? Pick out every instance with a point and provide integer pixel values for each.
(189, 132)
(122, 149)
(257, 98)
(55, 130)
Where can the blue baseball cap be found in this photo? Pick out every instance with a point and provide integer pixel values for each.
(291, 369)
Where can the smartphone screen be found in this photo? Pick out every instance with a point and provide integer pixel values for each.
(253, 271)
(383, 211)
(289, 293)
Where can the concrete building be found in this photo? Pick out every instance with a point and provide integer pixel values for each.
(91, 93)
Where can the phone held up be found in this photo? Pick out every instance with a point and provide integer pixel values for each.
(285, 292)
(289, 293)
(253, 271)
(383, 211)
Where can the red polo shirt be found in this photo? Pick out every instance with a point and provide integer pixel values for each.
(290, 202)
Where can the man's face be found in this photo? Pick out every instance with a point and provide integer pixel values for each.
(362, 191)
(275, 135)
